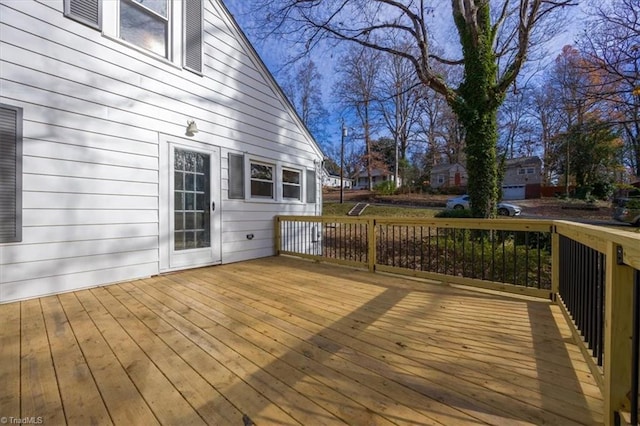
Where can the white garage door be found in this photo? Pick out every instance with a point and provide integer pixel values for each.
(513, 192)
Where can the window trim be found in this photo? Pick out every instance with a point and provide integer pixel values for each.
(274, 180)
(283, 183)
(167, 20)
(111, 30)
(17, 236)
(277, 182)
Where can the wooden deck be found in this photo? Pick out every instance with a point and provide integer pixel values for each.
(281, 341)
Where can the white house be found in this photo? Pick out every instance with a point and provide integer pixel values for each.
(101, 180)
(333, 181)
(378, 176)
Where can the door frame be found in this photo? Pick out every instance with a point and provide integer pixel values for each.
(170, 260)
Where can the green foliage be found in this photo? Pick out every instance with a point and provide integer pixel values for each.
(461, 213)
(594, 152)
(385, 188)
(499, 256)
(633, 204)
(603, 189)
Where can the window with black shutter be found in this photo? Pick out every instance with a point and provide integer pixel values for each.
(10, 173)
(88, 12)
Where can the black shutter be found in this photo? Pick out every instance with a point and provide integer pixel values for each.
(193, 35)
(10, 173)
(88, 12)
(236, 176)
(311, 186)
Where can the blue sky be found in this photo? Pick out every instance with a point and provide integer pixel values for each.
(275, 53)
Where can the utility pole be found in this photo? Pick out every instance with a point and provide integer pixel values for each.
(344, 134)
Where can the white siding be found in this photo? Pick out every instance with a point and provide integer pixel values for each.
(94, 113)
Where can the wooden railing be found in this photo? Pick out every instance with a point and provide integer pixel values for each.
(591, 272)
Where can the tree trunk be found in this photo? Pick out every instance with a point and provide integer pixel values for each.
(481, 139)
(477, 109)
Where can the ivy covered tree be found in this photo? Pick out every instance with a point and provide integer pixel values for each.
(494, 37)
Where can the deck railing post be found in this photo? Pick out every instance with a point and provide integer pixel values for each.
(372, 241)
(617, 334)
(276, 238)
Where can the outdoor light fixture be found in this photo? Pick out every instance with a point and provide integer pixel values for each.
(192, 129)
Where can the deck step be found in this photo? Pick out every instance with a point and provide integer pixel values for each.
(357, 209)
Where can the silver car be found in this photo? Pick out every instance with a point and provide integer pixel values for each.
(503, 209)
(627, 210)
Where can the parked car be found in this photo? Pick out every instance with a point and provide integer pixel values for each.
(504, 209)
(627, 210)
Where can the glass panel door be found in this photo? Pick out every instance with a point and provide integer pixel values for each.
(192, 200)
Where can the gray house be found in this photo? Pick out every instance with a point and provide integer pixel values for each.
(522, 178)
(448, 175)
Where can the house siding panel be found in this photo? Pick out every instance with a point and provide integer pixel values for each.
(95, 111)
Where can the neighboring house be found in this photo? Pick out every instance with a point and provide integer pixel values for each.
(378, 176)
(333, 181)
(100, 178)
(448, 175)
(522, 178)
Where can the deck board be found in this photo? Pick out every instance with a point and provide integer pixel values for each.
(287, 341)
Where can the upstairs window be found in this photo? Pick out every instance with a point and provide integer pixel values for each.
(521, 171)
(171, 29)
(145, 23)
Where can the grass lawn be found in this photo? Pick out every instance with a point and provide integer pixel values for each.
(337, 209)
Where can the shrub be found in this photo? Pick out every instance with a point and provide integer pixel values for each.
(385, 188)
(462, 213)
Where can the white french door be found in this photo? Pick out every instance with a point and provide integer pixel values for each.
(190, 182)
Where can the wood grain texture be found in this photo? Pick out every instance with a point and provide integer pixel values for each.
(287, 341)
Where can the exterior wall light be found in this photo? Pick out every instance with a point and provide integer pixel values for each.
(192, 129)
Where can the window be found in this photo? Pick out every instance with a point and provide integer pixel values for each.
(10, 173)
(290, 184)
(261, 180)
(530, 171)
(440, 178)
(145, 23)
(521, 171)
(171, 29)
(192, 197)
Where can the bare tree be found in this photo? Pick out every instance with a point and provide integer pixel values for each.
(545, 112)
(516, 130)
(494, 37)
(612, 45)
(302, 85)
(359, 70)
(399, 94)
